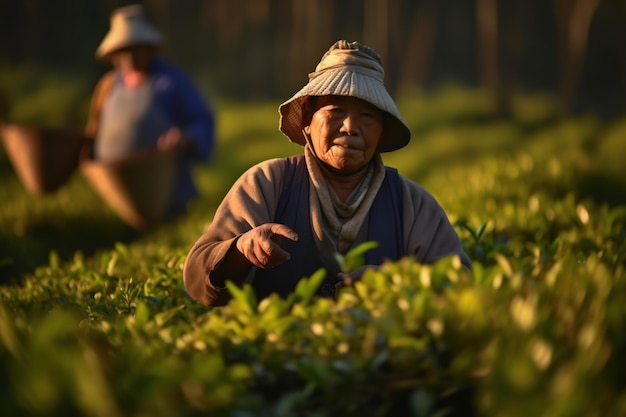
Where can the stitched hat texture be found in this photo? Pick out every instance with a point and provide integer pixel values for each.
(347, 69)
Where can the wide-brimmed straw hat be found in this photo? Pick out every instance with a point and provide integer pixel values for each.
(347, 69)
(129, 27)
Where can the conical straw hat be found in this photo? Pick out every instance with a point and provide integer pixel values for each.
(43, 158)
(137, 187)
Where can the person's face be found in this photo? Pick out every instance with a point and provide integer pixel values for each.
(133, 59)
(345, 131)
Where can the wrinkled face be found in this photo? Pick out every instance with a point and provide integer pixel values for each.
(134, 58)
(345, 131)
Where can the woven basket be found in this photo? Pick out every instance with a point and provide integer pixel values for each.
(137, 187)
(43, 158)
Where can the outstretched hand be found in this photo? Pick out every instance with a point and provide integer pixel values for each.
(261, 245)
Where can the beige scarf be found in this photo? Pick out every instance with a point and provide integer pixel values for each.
(336, 223)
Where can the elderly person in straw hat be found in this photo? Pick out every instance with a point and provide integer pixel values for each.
(145, 103)
(286, 218)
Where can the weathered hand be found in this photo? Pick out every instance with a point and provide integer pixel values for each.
(261, 245)
(173, 140)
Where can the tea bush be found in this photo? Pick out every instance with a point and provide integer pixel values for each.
(96, 322)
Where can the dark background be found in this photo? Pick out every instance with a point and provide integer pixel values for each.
(257, 49)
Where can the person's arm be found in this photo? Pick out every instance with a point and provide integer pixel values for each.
(219, 255)
(194, 118)
(429, 235)
(99, 96)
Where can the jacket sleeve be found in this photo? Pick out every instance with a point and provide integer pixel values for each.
(250, 202)
(195, 116)
(428, 232)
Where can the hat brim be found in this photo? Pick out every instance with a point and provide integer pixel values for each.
(345, 83)
(115, 41)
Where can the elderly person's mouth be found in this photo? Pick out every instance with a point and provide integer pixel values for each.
(346, 150)
(349, 144)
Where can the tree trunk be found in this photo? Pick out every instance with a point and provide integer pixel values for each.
(375, 26)
(573, 22)
(489, 60)
(420, 43)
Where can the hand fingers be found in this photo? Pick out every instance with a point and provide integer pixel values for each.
(270, 254)
(170, 139)
(283, 230)
(245, 245)
(261, 245)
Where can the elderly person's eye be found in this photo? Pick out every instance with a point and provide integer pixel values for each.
(334, 111)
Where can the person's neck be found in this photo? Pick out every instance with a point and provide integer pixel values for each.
(134, 78)
(343, 183)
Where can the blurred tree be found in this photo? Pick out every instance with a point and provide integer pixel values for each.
(376, 26)
(573, 22)
(616, 18)
(420, 42)
(489, 57)
(310, 30)
(265, 48)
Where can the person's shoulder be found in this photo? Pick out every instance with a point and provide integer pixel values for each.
(104, 85)
(411, 185)
(162, 67)
(160, 64)
(263, 176)
(269, 167)
(108, 77)
(278, 163)
(417, 193)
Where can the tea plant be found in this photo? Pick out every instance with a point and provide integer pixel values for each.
(95, 320)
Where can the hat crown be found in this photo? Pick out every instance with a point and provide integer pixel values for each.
(347, 69)
(128, 15)
(129, 27)
(130, 19)
(351, 56)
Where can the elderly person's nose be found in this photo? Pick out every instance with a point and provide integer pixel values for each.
(350, 123)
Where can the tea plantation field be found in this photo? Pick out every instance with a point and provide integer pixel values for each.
(95, 321)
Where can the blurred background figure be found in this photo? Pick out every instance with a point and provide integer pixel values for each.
(144, 103)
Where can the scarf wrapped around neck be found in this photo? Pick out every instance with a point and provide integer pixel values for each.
(335, 223)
